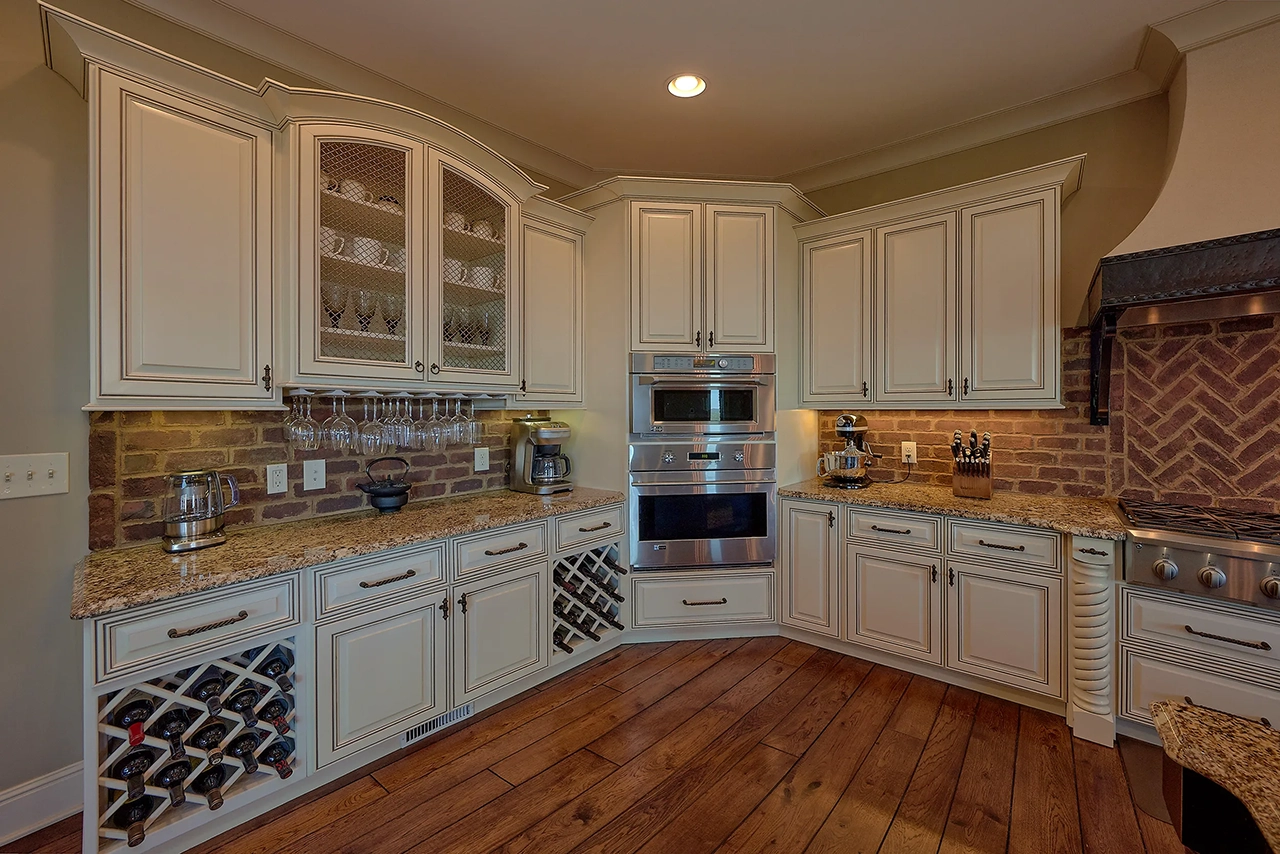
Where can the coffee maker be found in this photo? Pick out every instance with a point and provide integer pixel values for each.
(538, 465)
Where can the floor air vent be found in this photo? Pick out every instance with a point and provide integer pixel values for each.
(421, 731)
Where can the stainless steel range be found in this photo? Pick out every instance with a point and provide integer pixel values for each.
(1205, 551)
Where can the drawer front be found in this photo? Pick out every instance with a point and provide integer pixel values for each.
(476, 554)
(170, 631)
(1147, 679)
(1094, 551)
(886, 528)
(1024, 546)
(1200, 632)
(703, 599)
(377, 579)
(602, 524)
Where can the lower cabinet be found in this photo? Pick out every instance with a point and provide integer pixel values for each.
(500, 630)
(810, 547)
(893, 602)
(703, 599)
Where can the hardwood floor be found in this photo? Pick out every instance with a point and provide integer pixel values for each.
(724, 745)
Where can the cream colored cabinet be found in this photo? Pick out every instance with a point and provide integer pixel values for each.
(701, 277)
(894, 602)
(501, 630)
(181, 256)
(1009, 301)
(835, 302)
(379, 673)
(552, 259)
(811, 563)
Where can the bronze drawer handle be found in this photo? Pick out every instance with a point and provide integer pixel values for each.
(1191, 702)
(392, 580)
(721, 601)
(1093, 551)
(599, 527)
(507, 551)
(1001, 546)
(208, 627)
(905, 533)
(1262, 645)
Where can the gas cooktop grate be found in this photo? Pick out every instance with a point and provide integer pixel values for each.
(1204, 521)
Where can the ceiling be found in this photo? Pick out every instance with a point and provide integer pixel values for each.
(790, 85)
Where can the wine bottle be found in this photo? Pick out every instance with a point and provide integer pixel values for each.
(209, 784)
(277, 756)
(171, 777)
(209, 738)
(277, 667)
(274, 713)
(209, 691)
(559, 639)
(171, 726)
(242, 703)
(132, 817)
(576, 625)
(132, 716)
(132, 769)
(602, 585)
(613, 564)
(243, 748)
(586, 602)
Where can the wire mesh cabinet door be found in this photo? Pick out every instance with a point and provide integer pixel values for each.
(475, 334)
(362, 255)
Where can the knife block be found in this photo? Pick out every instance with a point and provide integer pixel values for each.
(971, 484)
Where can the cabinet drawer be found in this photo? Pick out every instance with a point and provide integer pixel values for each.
(377, 578)
(475, 554)
(1026, 546)
(885, 528)
(1147, 679)
(145, 637)
(604, 523)
(1203, 632)
(703, 599)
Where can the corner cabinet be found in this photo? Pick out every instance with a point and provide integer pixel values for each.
(551, 255)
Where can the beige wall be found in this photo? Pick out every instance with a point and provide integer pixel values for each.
(1122, 176)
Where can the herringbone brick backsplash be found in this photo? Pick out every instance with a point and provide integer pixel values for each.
(1195, 419)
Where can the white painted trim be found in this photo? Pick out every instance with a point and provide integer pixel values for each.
(35, 804)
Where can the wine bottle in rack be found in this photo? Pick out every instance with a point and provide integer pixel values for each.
(585, 601)
(242, 703)
(612, 564)
(171, 726)
(132, 769)
(209, 739)
(132, 818)
(277, 756)
(578, 626)
(132, 715)
(558, 638)
(601, 584)
(274, 713)
(208, 690)
(209, 784)
(171, 777)
(277, 667)
(243, 748)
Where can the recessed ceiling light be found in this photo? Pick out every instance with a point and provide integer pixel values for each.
(686, 85)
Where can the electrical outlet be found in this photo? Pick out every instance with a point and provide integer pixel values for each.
(313, 475)
(482, 459)
(277, 478)
(909, 452)
(26, 475)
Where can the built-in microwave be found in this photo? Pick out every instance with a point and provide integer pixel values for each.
(679, 394)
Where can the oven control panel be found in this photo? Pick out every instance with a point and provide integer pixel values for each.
(704, 363)
(1203, 566)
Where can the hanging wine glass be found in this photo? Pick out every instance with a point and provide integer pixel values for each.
(338, 430)
(304, 433)
(333, 295)
(369, 437)
(474, 430)
(439, 426)
(456, 429)
(403, 419)
(392, 306)
(422, 427)
(366, 307)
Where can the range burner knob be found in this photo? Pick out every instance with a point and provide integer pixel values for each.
(668, 457)
(739, 456)
(1212, 577)
(1164, 569)
(1270, 587)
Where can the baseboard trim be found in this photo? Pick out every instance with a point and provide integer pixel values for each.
(36, 804)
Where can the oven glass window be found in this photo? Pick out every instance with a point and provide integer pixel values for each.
(704, 517)
(704, 406)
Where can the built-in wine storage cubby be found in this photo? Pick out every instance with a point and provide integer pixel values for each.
(587, 597)
(174, 745)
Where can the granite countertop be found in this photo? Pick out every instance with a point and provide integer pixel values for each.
(114, 579)
(1241, 755)
(1083, 517)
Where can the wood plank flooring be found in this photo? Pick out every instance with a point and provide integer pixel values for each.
(724, 745)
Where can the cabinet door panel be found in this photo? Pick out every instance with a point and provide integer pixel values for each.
(810, 578)
(915, 305)
(502, 633)
(836, 307)
(666, 276)
(892, 602)
(1009, 299)
(739, 278)
(1005, 626)
(552, 313)
(184, 239)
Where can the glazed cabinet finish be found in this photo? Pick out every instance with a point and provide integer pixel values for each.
(739, 292)
(835, 300)
(182, 296)
(500, 630)
(810, 578)
(552, 256)
(666, 277)
(894, 602)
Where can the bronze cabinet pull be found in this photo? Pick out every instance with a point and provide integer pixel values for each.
(516, 548)
(1262, 645)
(1001, 546)
(721, 601)
(599, 527)
(831, 519)
(1093, 551)
(1191, 702)
(444, 607)
(208, 627)
(934, 571)
(392, 580)
(951, 577)
(462, 600)
(905, 533)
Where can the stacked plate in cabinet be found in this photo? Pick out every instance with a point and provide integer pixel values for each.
(587, 598)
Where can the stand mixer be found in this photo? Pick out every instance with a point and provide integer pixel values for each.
(847, 469)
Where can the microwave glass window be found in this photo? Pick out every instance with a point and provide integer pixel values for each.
(704, 517)
(704, 406)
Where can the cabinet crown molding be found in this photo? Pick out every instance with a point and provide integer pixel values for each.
(624, 187)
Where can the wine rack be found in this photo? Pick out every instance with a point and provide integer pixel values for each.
(174, 692)
(587, 595)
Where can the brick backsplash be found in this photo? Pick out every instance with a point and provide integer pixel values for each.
(130, 452)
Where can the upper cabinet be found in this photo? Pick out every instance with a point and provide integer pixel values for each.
(835, 301)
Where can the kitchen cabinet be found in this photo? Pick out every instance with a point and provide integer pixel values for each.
(894, 602)
(739, 270)
(811, 566)
(181, 280)
(835, 300)
(500, 629)
(552, 245)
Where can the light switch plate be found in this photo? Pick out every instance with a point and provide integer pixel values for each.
(482, 459)
(313, 474)
(26, 475)
(277, 478)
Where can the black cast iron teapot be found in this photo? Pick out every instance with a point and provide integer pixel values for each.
(388, 495)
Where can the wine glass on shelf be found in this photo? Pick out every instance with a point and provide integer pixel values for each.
(366, 307)
(369, 437)
(339, 430)
(333, 296)
(450, 317)
(392, 306)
